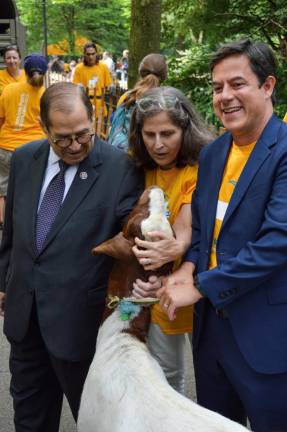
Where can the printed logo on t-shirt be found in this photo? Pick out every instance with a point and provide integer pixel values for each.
(233, 182)
(21, 112)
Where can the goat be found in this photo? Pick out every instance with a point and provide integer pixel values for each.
(125, 389)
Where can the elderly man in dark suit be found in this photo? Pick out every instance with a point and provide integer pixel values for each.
(66, 194)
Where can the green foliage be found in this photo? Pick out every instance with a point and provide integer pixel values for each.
(188, 70)
(105, 22)
(193, 29)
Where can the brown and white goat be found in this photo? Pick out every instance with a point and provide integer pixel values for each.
(125, 389)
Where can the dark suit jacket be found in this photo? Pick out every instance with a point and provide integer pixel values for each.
(250, 281)
(69, 284)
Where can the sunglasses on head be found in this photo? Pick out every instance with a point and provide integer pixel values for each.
(166, 103)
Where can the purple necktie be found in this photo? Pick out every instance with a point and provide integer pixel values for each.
(50, 205)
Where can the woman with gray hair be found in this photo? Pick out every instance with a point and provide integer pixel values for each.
(166, 136)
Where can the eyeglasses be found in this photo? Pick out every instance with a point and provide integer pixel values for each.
(68, 141)
(166, 103)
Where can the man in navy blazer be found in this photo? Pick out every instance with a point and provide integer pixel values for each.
(240, 334)
(53, 296)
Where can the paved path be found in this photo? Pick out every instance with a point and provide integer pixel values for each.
(67, 423)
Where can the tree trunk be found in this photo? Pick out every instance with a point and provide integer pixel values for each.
(68, 15)
(145, 34)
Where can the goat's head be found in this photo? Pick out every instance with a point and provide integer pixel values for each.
(148, 215)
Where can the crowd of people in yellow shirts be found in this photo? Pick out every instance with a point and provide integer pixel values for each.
(20, 93)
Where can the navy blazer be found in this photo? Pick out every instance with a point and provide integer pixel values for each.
(250, 281)
(68, 284)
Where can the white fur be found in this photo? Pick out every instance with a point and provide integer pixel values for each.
(126, 391)
(157, 220)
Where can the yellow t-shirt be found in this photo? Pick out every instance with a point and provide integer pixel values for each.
(178, 185)
(6, 78)
(285, 118)
(95, 79)
(237, 159)
(20, 106)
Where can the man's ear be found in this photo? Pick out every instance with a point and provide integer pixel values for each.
(269, 85)
(118, 247)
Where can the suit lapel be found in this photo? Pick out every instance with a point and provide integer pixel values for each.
(217, 166)
(260, 152)
(85, 177)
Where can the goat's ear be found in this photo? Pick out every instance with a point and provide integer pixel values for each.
(132, 228)
(118, 247)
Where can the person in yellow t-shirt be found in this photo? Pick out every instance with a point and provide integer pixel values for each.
(94, 75)
(12, 73)
(240, 350)
(285, 118)
(237, 158)
(166, 135)
(19, 116)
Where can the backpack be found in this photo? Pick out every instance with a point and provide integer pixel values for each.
(119, 133)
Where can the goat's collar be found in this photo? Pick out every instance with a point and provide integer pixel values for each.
(113, 301)
(129, 306)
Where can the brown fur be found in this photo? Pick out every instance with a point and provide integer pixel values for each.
(126, 268)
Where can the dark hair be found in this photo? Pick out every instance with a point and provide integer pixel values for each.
(152, 70)
(63, 96)
(261, 58)
(90, 45)
(153, 64)
(11, 48)
(182, 114)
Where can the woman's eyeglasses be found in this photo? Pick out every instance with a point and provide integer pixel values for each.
(68, 141)
(166, 103)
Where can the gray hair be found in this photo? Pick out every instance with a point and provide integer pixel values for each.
(181, 113)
